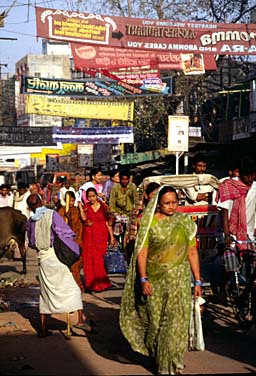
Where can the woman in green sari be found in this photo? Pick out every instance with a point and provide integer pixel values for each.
(156, 302)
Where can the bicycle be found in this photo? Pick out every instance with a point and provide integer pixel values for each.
(241, 291)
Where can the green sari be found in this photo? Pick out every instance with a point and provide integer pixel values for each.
(158, 325)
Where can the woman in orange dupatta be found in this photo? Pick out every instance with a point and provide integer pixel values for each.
(73, 218)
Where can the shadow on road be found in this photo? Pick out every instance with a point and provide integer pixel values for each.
(109, 341)
(26, 354)
(223, 335)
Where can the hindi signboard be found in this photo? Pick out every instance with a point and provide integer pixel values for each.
(103, 57)
(146, 34)
(66, 107)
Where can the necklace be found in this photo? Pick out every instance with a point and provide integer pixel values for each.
(96, 206)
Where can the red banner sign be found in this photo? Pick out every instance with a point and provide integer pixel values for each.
(101, 57)
(146, 34)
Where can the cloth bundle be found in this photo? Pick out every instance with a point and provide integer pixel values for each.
(196, 337)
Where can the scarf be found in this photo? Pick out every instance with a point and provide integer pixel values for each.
(236, 191)
(43, 230)
(39, 213)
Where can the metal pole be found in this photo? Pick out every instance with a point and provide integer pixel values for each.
(177, 163)
(185, 164)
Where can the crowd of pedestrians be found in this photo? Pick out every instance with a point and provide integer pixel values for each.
(159, 244)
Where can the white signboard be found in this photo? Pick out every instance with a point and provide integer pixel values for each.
(178, 133)
(85, 155)
(195, 132)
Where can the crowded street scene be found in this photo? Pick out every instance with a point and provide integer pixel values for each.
(127, 187)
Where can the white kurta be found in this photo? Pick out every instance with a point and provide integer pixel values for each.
(59, 293)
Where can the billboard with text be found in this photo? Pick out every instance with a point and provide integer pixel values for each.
(82, 109)
(86, 56)
(146, 34)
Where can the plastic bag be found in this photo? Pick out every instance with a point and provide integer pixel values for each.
(115, 261)
(196, 338)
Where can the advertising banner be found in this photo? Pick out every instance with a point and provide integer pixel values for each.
(178, 133)
(146, 34)
(132, 158)
(108, 135)
(136, 75)
(101, 57)
(55, 106)
(128, 85)
(26, 136)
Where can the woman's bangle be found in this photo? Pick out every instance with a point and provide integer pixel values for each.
(198, 283)
(143, 279)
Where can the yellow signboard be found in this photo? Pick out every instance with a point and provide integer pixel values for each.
(43, 105)
(67, 149)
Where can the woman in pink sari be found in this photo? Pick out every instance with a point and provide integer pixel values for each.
(96, 231)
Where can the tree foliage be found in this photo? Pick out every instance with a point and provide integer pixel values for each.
(231, 11)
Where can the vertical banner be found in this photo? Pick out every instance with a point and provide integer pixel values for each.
(178, 133)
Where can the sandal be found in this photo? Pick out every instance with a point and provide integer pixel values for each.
(85, 326)
(47, 333)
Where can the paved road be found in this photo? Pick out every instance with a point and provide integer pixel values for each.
(228, 349)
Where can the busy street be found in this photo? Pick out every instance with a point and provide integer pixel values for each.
(127, 187)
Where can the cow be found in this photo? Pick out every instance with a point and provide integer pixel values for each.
(12, 233)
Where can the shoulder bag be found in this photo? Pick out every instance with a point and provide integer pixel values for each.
(114, 261)
(63, 252)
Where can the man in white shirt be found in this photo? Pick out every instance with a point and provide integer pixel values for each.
(63, 190)
(20, 199)
(202, 194)
(6, 198)
(20, 203)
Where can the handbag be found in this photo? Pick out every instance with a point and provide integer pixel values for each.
(64, 253)
(114, 261)
(230, 259)
(196, 338)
